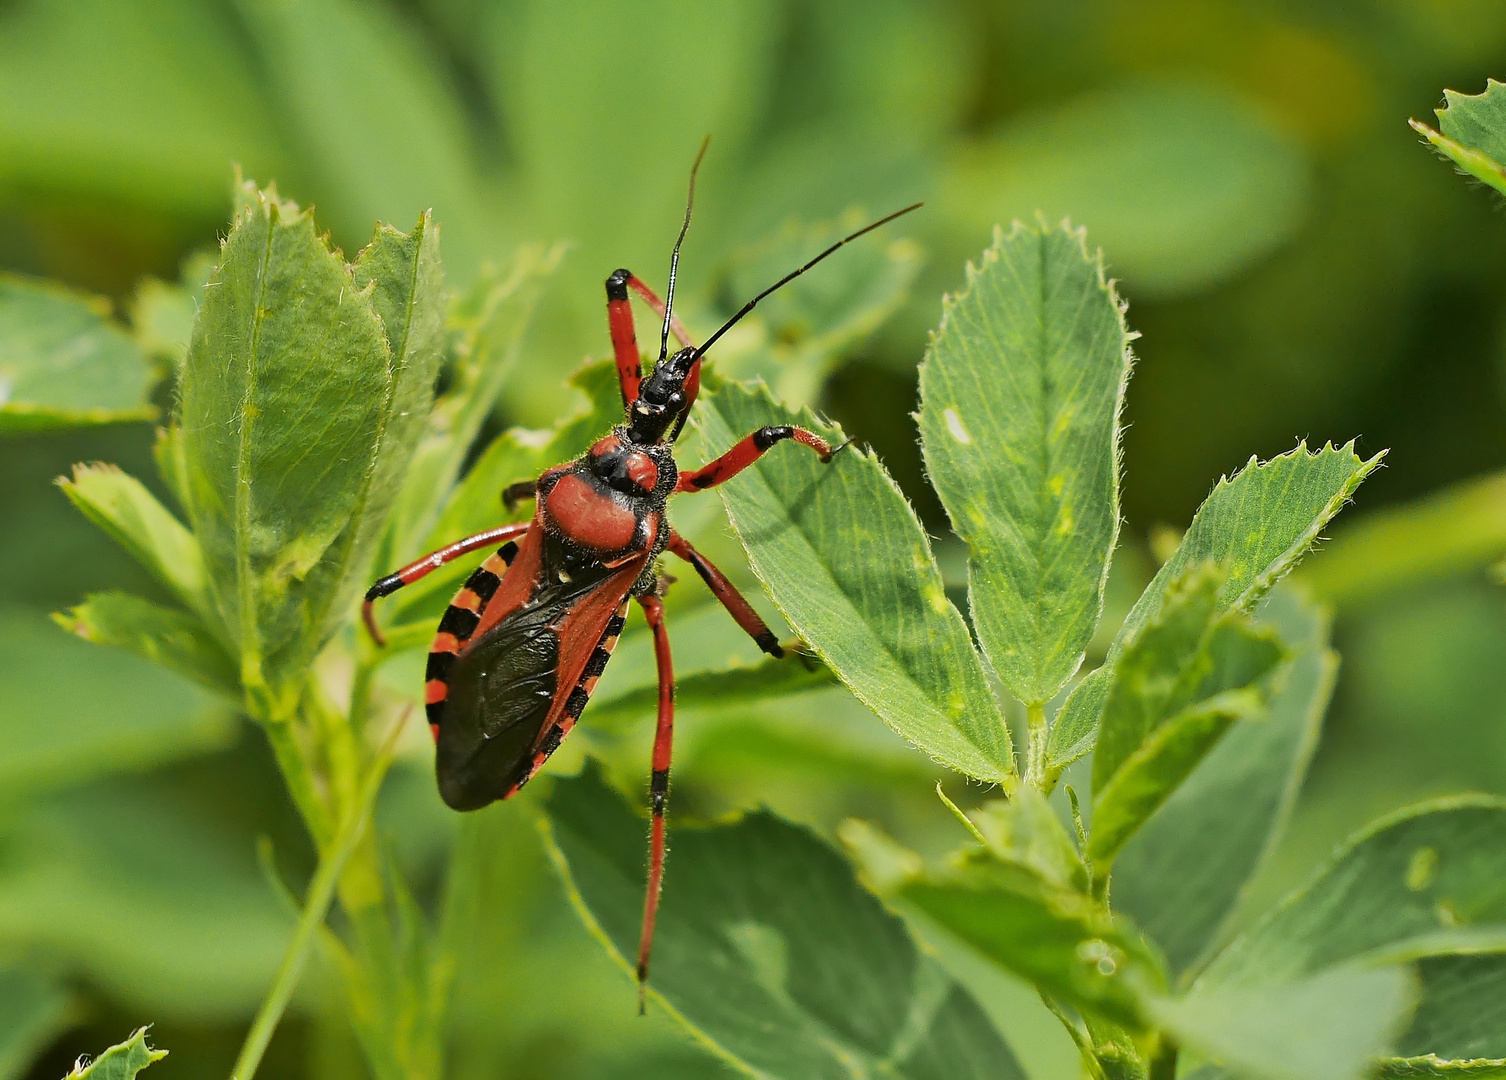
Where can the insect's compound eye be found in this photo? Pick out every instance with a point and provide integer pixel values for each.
(676, 400)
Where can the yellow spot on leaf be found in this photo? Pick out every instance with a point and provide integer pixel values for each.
(1422, 869)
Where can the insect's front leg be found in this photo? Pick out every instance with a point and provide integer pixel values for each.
(624, 334)
(664, 731)
(750, 449)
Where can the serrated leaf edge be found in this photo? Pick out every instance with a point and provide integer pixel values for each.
(1094, 259)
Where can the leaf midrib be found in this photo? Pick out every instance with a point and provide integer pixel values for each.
(250, 639)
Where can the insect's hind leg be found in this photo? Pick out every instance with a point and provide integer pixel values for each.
(653, 611)
(428, 564)
(736, 604)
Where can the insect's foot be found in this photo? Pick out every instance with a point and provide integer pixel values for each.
(826, 459)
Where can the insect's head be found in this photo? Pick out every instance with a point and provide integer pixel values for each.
(664, 398)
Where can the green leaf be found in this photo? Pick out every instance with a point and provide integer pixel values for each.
(120, 1062)
(738, 686)
(490, 324)
(1256, 525)
(122, 506)
(1433, 867)
(1421, 884)
(851, 570)
(1463, 1008)
(79, 711)
(1021, 392)
(1328, 1026)
(1025, 829)
(1432, 1067)
(34, 1009)
(290, 402)
(1181, 876)
(171, 458)
(1177, 687)
(1054, 936)
(1184, 182)
(767, 949)
(1473, 132)
(64, 362)
(162, 635)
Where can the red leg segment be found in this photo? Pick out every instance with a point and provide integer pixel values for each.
(653, 611)
(624, 336)
(747, 452)
(736, 604)
(428, 564)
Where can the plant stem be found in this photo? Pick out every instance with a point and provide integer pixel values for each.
(321, 894)
(298, 775)
(1035, 752)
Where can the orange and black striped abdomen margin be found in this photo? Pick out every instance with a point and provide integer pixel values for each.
(457, 626)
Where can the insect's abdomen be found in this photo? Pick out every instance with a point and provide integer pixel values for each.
(514, 663)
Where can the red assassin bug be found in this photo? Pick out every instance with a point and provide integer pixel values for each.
(523, 642)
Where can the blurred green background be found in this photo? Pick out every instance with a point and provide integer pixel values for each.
(1297, 264)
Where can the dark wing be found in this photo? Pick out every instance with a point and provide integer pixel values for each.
(509, 686)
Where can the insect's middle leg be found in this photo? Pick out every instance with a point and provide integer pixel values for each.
(750, 449)
(736, 604)
(664, 731)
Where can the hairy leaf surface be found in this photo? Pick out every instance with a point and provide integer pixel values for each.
(1473, 132)
(162, 635)
(846, 560)
(1183, 873)
(1432, 1067)
(1424, 884)
(1256, 525)
(292, 397)
(814, 981)
(122, 506)
(120, 1062)
(1177, 687)
(1020, 398)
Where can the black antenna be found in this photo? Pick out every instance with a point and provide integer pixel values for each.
(751, 304)
(674, 258)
